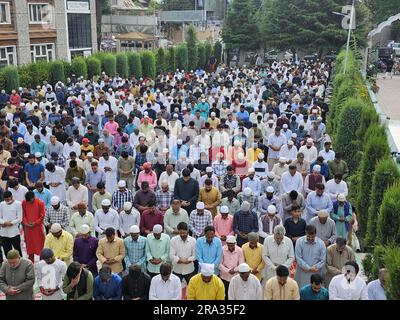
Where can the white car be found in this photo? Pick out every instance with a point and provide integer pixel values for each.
(396, 48)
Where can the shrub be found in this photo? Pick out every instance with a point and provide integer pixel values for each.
(2, 80)
(182, 57)
(56, 72)
(109, 64)
(388, 228)
(376, 148)
(392, 264)
(79, 67)
(148, 64)
(67, 69)
(11, 78)
(345, 139)
(191, 41)
(93, 67)
(386, 173)
(25, 76)
(171, 61)
(373, 262)
(160, 57)
(208, 52)
(122, 65)
(218, 51)
(201, 54)
(369, 117)
(135, 64)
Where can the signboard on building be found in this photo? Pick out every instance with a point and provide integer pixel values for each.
(78, 6)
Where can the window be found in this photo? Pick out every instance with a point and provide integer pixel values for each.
(42, 52)
(7, 56)
(79, 31)
(5, 17)
(39, 13)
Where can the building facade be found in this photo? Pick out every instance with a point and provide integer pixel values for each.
(35, 30)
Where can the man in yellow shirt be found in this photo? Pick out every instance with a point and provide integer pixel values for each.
(252, 252)
(281, 287)
(111, 251)
(214, 121)
(61, 242)
(252, 153)
(210, 196)
(206, 285)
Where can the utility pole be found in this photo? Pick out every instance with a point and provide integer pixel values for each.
(348, 37)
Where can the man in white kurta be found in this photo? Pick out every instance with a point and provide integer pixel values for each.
(277, 250)
(77, 193)
(310, 152)
(289, 151)
(109, 165)
(244, 286)
(56, 180)
(291, 180)
(336, 186)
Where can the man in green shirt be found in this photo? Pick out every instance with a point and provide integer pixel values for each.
(99, 196)
(338, 166)
(174, 216)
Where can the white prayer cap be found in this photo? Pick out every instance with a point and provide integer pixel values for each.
(341, 197)
(127, 205)
(271, 209)
(261, 156)
(231, 239)
(89, 155)
(85, 229)
(134, 229)
(175, 115)
(282, 160)
(121, 184)
(245, 206)
(20, 140)
(224, 209)
(285, 126)
(106, 202)
(179, 141)
(165, 150)
(271, 121)
(200, 205)
(243, 267)
(271, 175)
(317, 168)
(26, 155)
(309, 140)
(164, 183)
(270, 189)
(55, 200)
(207, 269)
(209, 169)
(213, 114)
(38, 154)
(294, 135)
(247, 191)
(315, 111)
(323, 213)
(55, 227)
(251, 170)
(157, 228)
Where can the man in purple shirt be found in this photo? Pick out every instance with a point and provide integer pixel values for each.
(143, 197)
(150, 218)
(85, 247)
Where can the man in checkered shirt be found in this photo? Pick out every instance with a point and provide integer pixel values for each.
(121, 196)
(56, 213)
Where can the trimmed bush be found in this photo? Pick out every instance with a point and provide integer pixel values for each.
(109, 64)
(208, 53)
(217, 51)
(191, 41)
(160, 58)
(201, 55)
(67, 69)
(392, 264)
(56, 72)
(376, 148)
(182, 57)
(79, 67)
(93, 67)
(148, 64)
(346, 138)
(2, 80)
(171, 61)
(388, 228)
(373, 262)
(135, 64)
(122, 65)
(25, 76)
(369, 117)
(386, 173)
(11, 78)
(39, 72)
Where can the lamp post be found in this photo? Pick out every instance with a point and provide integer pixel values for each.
(348, 38)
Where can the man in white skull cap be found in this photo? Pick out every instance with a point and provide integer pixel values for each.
(104, 218)
(245, 286)
(252, 182)
(309, 151)
(267, 199)
(248, 195)
(157, 250)
(206, 285)
(199, 219)
(128, 217)
(135, 248)
(280, 168)
(261, 167)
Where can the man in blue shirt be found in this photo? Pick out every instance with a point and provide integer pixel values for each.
(107, 285)
(243, 115)
(209, 249)
(34, 172)
(314, 291)
(376, 288)
(42, 193)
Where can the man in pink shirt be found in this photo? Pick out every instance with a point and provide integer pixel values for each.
(232, 257)
(111, 125)
(147, 174)
(223, 224)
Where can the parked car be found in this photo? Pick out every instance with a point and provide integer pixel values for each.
(311, 57)
(271, 56)
(396, 48)
(385, 53)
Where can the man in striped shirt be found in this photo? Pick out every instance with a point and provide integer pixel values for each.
(121, 196)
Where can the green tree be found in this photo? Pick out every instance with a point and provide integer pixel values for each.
(122, 64)
(386, 173)
(160, 58)
(25, 75)
(171, 61)
(388, 228)
(93, 67)
(148, 64)
(201, 54)
(79, 67)
(11, 78)
(240, 30)
(191, 42)
(56, 72)
(109, 64)
(373, 262)
(39, 71)
(135, 64)
(218, 51)
(382, 9)
(182, 57)
(391, 260)
(208, 52)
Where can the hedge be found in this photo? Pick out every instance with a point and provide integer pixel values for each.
(122, 65)
(56, 72)
(191, 43)
(160, 61)
(388, 227)
(182, 57)
(25, 76)
(135, 64)
(79, 67)
(345, 139)
(148, 64)
(376, 148)
(208, 52)
(392, 264)
(93, 67)
(373, 262)
(201, 56)
(109, 64)
(217, 51)
(369, 117)
(11, 78)
(171, 59)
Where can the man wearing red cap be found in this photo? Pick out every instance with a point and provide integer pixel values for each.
(86, 147)
(147, 174)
